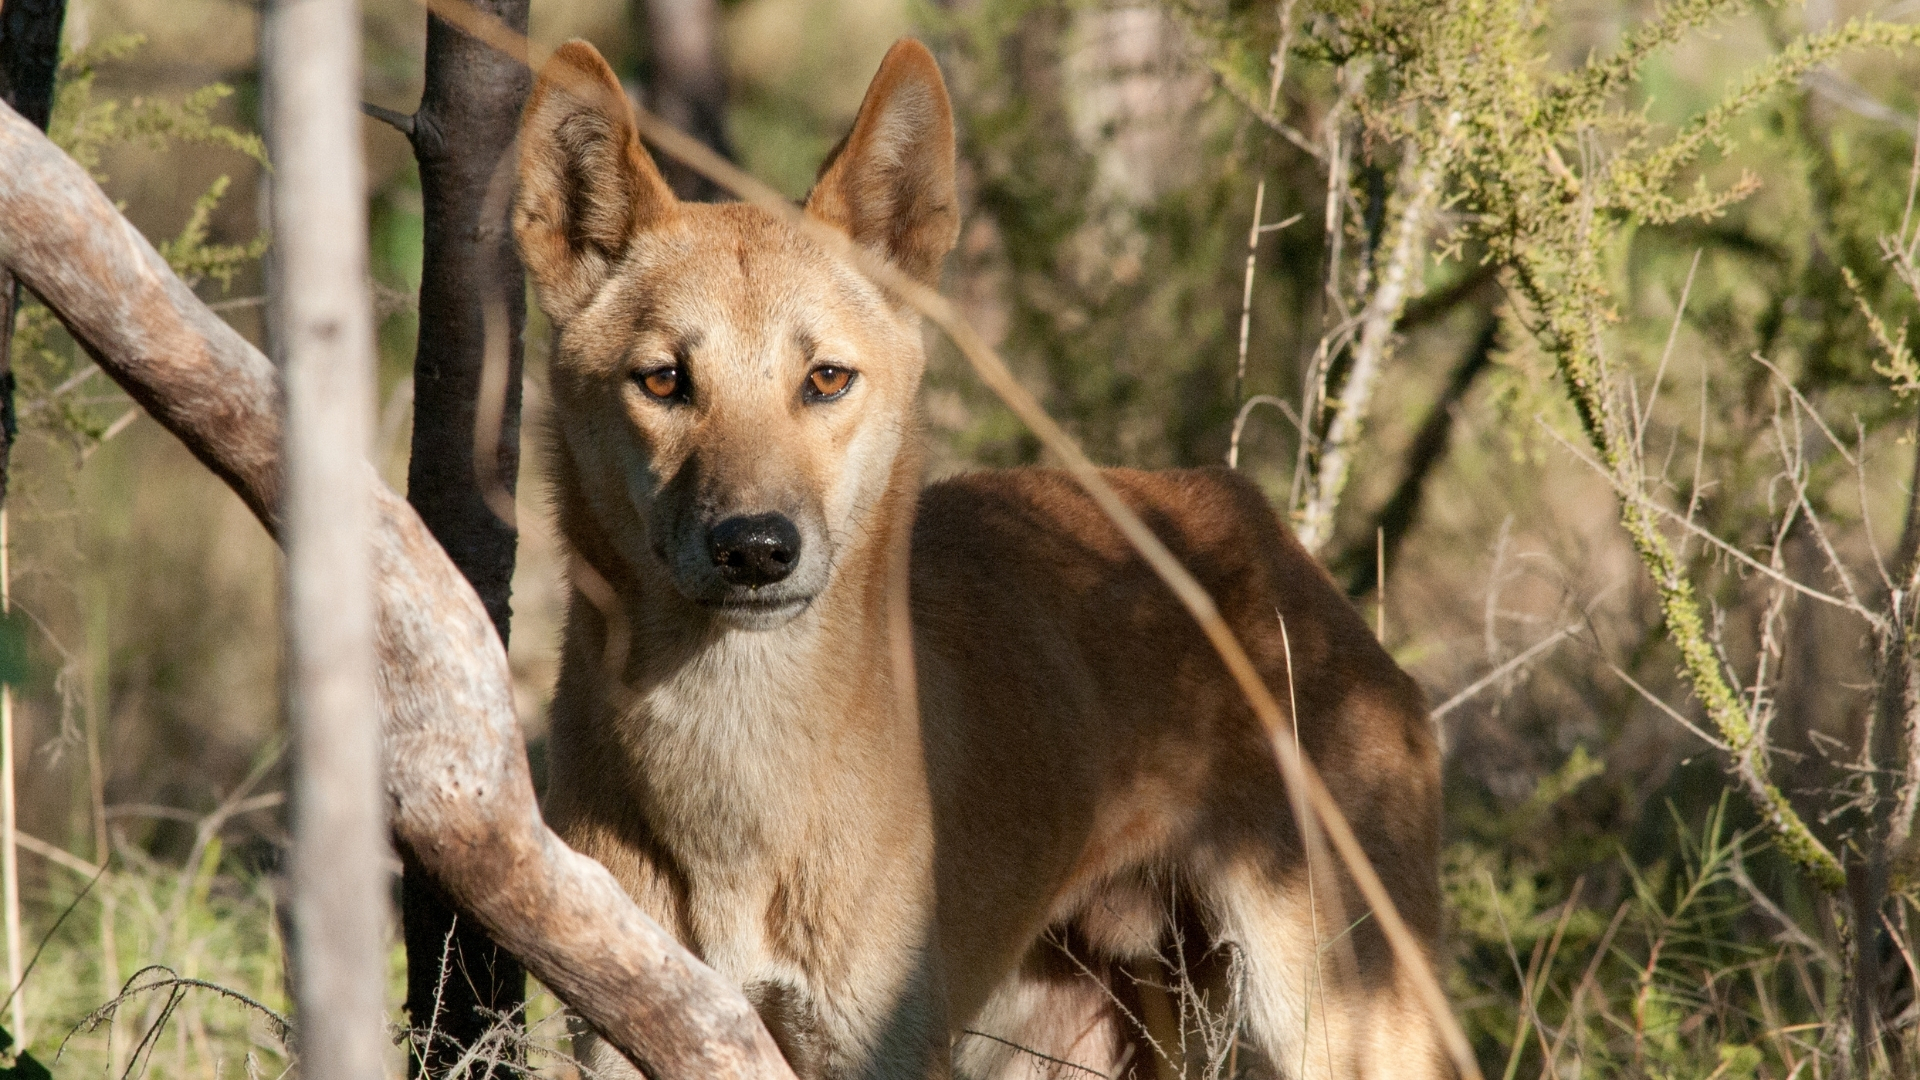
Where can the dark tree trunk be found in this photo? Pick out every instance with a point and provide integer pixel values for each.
(1359, 565)
(458, 981)
(29, 59)
(686, 84)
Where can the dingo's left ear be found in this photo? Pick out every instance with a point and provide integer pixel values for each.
(890, 182)
(586, 184)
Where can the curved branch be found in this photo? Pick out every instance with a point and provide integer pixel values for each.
(461, 799)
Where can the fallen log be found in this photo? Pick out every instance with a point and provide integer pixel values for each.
(460, 796)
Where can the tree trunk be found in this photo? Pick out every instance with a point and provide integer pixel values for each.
(1359, 566)
(459, 983)
(457, 785)
(323, 324)
(29, 59)
(686, 83)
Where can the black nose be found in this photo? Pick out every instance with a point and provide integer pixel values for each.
(754, 551)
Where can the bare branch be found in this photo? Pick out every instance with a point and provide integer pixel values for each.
(1504, 670)
(1246, 410)
(1641, 416)
(1273, 123)
(1806, 407)
(1789, 930)
(57, 855)
(1672, 713)
(398, 121)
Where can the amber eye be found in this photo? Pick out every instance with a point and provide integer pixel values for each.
(662, 383)
(824, 383)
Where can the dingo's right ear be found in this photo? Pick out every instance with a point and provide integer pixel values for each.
(586, 184)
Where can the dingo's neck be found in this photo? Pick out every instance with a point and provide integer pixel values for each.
(767, 721)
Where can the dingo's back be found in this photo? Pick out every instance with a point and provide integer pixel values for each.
(1080, 805)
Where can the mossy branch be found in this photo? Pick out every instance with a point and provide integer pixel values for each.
(1570, 336)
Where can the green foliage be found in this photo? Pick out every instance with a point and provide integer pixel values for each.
(52, 374)
(83, 127)
(1664, 986)
(212, 923)
(194, 259)
(1560, 235)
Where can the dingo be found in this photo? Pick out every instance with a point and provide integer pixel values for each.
(1083, 806)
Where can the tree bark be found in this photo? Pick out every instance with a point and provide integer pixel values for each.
(458, 791)
(29, 60)
(459, 983)
(323, 323)
(686, 84)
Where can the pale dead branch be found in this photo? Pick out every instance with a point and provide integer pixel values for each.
(1420, 198)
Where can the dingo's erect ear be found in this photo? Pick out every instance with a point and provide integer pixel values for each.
(890, 182)
(586, 184)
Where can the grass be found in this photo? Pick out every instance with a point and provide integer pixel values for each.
(163, 970)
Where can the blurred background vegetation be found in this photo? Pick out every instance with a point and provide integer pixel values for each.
(1617, 903)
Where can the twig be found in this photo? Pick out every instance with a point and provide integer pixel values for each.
(1502, 671)
(1866, 511)
(1273, 123)
(56, 855)
(398, 121)
(1805, 406)
(1586, 980)
(1672, 713)
(1790, 930)
(20, 980)
(281, 1024)
(1246, 303)
(1254, 232)
(1240, 422)
(121, 423)
(1873, 618)
(1666, 354)
(238, 303)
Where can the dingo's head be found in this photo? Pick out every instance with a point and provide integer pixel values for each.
(730, 399)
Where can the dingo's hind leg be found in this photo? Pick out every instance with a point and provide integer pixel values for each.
(1055, 1016)
(1322, 995)
(1133, 986)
